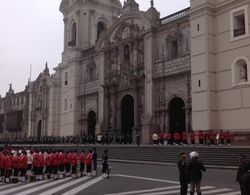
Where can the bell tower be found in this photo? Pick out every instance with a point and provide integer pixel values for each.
(86, 20)
(84, 23)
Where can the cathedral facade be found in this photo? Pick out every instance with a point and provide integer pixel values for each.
(129, 72)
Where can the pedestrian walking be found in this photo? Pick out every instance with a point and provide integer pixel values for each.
(105, 165)
(242, 169)
(246, 181)
(94, 158)
(183, 173)
(195, 168)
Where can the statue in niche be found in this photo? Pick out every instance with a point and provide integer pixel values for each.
(243, 73)
(125, 33)
(124, 79)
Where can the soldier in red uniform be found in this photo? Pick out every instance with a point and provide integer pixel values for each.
(184, 137)
(61, 164)
(228, 137)
(211, 137)
(16, 165)
(55, 163)
(40, 165)
(89, 162)
(161, 138)
(67, 163)
(35, 157)
(48, 165)
(192, 137)
(8, 166)
(82, 159)
(1, 165)
(222, 136)
(201, 137)
(168, 137)
(176, 137)
(23, 160)
(73, 163)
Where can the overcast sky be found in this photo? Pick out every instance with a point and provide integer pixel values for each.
(32, 33)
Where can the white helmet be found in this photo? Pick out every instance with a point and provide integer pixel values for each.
(194, 154)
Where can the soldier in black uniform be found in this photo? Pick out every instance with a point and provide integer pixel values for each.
(105, 165)
(94, 158)
(183, 173)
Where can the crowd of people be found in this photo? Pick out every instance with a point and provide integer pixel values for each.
(19, 165)
(89, 139)
(193, 137)
(191, 173)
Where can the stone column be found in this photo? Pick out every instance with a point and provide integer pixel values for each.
(101, 95)
(167, 120)
(148, 126)
(187, 118)
(65, 20)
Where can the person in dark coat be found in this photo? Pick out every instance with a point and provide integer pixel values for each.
(94, 155)
(246, 181)
(242, 169)
(183, 173)
(105, 165)
(195, 168)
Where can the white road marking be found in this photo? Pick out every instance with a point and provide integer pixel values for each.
(6, 185)
(174, 191)
(8, 191)
(82, 187)
(231, 193)
(217, 191)
(56, 189)
(40, 187)
(144, 191)
(145, 178)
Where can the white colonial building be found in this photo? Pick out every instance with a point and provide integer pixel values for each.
(126, 71)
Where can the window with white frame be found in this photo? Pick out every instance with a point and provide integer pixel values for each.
(239, 23)
(240, 71)
(66, 78)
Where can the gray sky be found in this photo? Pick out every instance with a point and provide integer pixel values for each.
(32, 33)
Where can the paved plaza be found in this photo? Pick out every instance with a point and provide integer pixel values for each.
(127, 178)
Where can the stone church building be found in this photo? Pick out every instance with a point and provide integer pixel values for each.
(127, 72)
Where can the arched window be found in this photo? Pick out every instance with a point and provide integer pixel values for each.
(126, 53)
(240, 69)
(100, 28)
(72, 41)
(65, 106)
